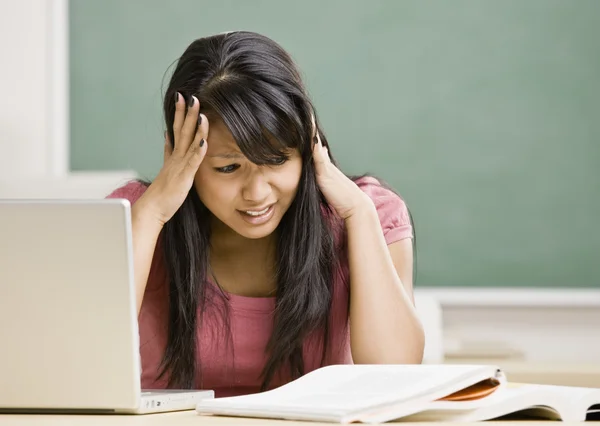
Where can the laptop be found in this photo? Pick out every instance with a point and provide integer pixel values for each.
(69, 338)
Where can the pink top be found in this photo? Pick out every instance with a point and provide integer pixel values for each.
(233, 367)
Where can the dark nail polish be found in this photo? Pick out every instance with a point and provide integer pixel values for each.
(199, 120)
(316, 139)
(191, 103)
(201, 142)
(176, 97)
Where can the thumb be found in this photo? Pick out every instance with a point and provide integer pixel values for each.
(168, 147)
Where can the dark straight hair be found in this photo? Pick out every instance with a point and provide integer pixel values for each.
(251, 83)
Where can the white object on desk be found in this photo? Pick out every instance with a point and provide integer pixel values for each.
(68, 311)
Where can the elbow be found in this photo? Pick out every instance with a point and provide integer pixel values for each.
(414, 347)
(407, 349)
(418, 350)
(396, 357)
(411, 347)
(412, 350)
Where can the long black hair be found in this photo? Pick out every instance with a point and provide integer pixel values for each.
(250, 83)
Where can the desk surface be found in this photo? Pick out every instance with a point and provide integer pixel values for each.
(187, 418)
(557, 374)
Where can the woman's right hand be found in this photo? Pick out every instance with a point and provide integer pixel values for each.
(167, 193)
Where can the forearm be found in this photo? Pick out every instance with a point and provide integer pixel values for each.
(384, 327)
(145, 232)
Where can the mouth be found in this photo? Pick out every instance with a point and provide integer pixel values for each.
(256, 213)
(258, 216)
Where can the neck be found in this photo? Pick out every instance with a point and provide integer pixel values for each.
(243, 266)
(226, 242)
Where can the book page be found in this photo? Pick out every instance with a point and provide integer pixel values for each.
(570, 403)
(578, 399)
(512, 391)
(352, 387)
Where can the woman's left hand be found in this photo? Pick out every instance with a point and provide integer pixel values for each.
(342, 194)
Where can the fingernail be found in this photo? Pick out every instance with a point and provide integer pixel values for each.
(199, 119)
(192, 100)
(176, 97)
(316, 140)
(201, 142)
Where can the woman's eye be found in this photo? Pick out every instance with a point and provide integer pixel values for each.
(228, 169)
(278, 161)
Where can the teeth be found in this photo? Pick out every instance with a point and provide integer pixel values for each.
(251, 213)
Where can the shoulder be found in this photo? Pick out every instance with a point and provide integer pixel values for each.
(131, 191)
(393, 213)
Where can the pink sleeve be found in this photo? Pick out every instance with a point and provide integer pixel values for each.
(130, 191)
(392, 211)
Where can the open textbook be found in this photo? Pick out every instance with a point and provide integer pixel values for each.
(382, 393)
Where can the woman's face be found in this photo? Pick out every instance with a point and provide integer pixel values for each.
(247, 198)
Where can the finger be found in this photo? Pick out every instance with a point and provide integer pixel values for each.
(168, 147)
(190, 124)
(195, 155)
(322, 148)
(325, 152)
(201, 131)
(179, 115)
(318, 154)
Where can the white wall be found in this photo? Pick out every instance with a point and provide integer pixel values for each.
(24, 84)
(34, 110)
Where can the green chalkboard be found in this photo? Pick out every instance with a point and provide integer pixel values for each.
(484, 115)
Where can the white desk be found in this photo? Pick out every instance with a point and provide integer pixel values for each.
(561, 374)
(189, 418)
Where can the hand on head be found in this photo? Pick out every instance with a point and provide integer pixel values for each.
(182, 157)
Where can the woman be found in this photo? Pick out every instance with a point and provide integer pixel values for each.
(256, 259)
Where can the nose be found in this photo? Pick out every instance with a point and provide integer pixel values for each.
(256, 189)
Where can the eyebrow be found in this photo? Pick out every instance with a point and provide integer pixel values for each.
(228, 155)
